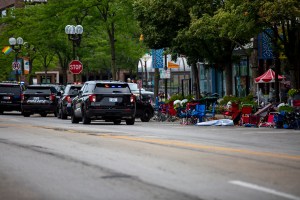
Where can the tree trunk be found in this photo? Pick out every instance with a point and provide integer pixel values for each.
(112, 40)
(196, 82)
(228, 77)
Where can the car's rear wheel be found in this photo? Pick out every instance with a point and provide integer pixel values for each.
(26, 114)
(58, 113)
(117, 122)
(85, 119)
(74, 119)
(62, 114)
(130, 121)
(145, 116)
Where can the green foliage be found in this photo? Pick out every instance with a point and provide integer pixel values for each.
(176, 97)
(190, 97)
(180, 97)
(240, 100)
(220, 109)
(292, 92)
(286, 108)
(230, 98)
(42, 25)
(161, 20)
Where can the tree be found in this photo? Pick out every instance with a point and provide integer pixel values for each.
(44, 27)
(160, 21)
(283, 18)
(116, 19)
(240, 20)
(188, 28)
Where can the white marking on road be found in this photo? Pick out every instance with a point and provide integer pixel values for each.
(263, 189)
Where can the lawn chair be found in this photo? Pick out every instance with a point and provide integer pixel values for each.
(262, 113)
(210, 114)
(271, 120)
(171, 111)
(187, 113)
(246, 113)
(198, 113)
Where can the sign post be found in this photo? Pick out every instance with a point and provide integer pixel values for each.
(16, 67)
(75, 68)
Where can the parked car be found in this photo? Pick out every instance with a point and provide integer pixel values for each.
(144, 102)
(10, 96)
(41, 99)
(104, 100)
(71, 90)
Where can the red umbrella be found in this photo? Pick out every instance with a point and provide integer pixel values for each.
(268, 77)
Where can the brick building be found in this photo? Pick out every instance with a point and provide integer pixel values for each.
(11, 3)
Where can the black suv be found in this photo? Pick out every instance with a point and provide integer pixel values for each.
(10, 96)
(71, 90)
(105, 100)
(144, 102)
(41, 99)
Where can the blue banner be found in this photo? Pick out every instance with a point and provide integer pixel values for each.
(264, 45)
(157, 58)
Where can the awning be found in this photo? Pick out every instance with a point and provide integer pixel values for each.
(268, 77)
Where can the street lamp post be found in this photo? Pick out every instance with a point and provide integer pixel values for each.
(74, 34)
(146, 58)
(16, 45)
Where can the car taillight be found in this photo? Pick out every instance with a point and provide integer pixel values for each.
(22, 97)
(68, 98)
(92, 98)
(52, 97)
(132, 98)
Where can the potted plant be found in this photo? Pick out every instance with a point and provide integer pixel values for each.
(291, 93)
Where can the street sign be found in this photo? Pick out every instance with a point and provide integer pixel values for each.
(75, 67)
(165, 73)
(16, 65)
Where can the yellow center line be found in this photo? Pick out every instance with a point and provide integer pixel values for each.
(188, 145)
(204, 147)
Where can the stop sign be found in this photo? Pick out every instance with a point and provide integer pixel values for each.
(75, 67)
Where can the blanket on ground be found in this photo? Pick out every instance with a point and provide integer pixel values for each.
(219, 122)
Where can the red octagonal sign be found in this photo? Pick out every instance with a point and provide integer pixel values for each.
(75, 67)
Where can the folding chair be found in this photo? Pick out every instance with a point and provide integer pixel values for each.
(270, 120)
(188, 113)
(209, 114)
(246, 112)
(199, 112)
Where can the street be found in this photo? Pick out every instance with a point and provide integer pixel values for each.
(50, 158)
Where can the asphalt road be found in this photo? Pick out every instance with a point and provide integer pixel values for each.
(49, 158)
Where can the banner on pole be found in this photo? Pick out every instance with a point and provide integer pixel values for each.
(26, 65)
(157, 58)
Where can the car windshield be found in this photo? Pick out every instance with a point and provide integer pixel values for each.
(74, 90)
(40, 90)
(134, 87)
(111, 88)
(15, 89)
